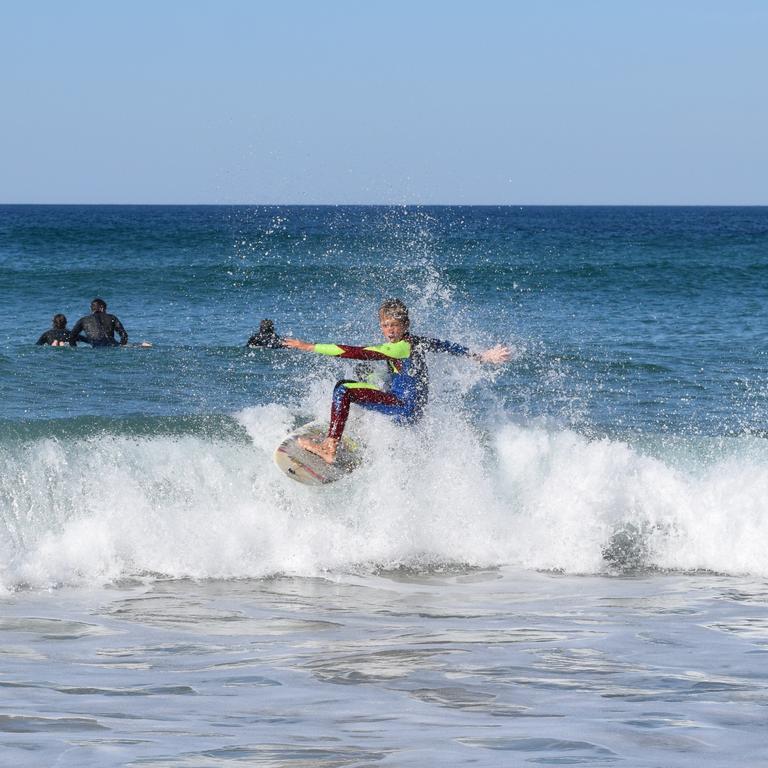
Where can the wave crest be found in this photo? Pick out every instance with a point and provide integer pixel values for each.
(206, 504)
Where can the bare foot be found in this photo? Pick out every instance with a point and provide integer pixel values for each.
(326, 449)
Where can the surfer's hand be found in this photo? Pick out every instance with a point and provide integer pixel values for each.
(496, 355)
(304, 346)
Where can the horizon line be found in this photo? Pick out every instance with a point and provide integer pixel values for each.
(393, 205)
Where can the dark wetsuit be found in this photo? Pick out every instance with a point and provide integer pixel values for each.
(98, 330)
(267, 340)
(409, 384)
(61, 335)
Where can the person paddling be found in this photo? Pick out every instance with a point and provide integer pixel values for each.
(58, 335)
(99, 327)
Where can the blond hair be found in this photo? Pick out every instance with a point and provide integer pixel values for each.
(395, 309)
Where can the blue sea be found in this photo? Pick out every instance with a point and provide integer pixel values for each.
(564, 563)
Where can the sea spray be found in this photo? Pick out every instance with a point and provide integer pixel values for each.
(573, 496)
(446, 493)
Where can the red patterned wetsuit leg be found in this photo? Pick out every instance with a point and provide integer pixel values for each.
(347, 392)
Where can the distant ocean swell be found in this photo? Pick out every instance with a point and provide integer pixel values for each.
(201, 498)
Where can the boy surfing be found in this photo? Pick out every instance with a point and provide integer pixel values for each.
(409, 386)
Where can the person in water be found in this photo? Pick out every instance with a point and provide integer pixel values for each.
(58, 335)
(409, 386)
(266, 336)
(99, 327)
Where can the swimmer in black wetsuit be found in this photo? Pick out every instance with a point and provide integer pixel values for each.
(99, 328)
(58, 335)
(266, 336)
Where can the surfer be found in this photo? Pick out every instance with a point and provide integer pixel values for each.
(58, 335)
(409, 384)
(266, 336)
(99, 327)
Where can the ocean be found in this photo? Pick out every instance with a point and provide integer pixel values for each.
(564, 563)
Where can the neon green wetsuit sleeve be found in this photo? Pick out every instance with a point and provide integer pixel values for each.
(329, 349)
(399, 350)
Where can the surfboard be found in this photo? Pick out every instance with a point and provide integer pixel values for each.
(308, 468)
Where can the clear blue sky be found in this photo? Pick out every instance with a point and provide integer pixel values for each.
(384, 101)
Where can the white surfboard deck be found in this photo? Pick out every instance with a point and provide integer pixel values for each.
(308, 468)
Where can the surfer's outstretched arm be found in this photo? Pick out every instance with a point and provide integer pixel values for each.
(348, 351)
(496, 355)
(304, 346)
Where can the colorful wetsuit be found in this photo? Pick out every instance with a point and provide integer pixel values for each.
(409, 384)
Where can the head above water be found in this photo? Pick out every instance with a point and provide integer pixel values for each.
(395, 310)
(267, 327)
(59, 321)
(98, 305)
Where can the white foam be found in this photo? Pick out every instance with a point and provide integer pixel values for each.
(90, 511)
(572, 495)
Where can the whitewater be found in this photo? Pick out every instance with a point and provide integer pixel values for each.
(445, 494)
